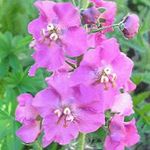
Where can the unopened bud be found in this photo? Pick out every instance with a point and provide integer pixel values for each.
(131, 26)
(90, 15)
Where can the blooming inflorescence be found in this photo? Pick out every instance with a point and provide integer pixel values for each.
(90, 76)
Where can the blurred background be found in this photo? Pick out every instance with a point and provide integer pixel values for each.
(15, 60)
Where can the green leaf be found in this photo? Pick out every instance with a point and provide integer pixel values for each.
(83, 4)
(15, 63)
(4, 66)
(137, 99)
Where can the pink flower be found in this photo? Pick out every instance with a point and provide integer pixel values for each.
(63, 110)
(105, 66)
(131, 26)
(27, 115)
(123, 104)
(122, 134)
(25, 111)
(56, 33)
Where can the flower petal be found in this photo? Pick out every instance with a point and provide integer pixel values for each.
(29, 132)
(57, 132)
(25, 111)
(122, 66)
(46, 10)
(132, 136)
(67, 14)
(35, 27)
(123, 104)
(114, 145)
(83, 74)
(45, 101)
(91, 122)
(109, 50)
(50, 58)
(75, 40)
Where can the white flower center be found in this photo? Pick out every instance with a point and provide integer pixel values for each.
(106, 76)
(51, 32)
(67, 111)
(58, 112)
(64, 114)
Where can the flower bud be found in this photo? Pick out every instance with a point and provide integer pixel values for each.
(131, 26)
(90, 15)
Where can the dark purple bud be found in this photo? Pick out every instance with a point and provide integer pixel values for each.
(131, 26)
(90, 15)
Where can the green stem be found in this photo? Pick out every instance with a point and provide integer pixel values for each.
(73, 2)
(81, 142)
(38, 146)
(103, 28)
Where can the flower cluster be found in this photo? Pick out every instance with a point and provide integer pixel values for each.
(90, 76)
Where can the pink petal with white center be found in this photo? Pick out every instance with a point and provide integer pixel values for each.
(57, 131)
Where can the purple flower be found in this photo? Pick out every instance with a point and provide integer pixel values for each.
(88, 73)
(105, 66)
(131, 26)
(56, 33)
(27, 115)
(122, 134)
(66, 111)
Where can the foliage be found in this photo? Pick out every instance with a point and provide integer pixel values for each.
(15, 59)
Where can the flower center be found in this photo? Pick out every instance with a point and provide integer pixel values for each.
(51, 32)
(106, 77)
(64, 114)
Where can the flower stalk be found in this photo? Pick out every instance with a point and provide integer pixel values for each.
(38, 145)
(106, 27)
(81, 142)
